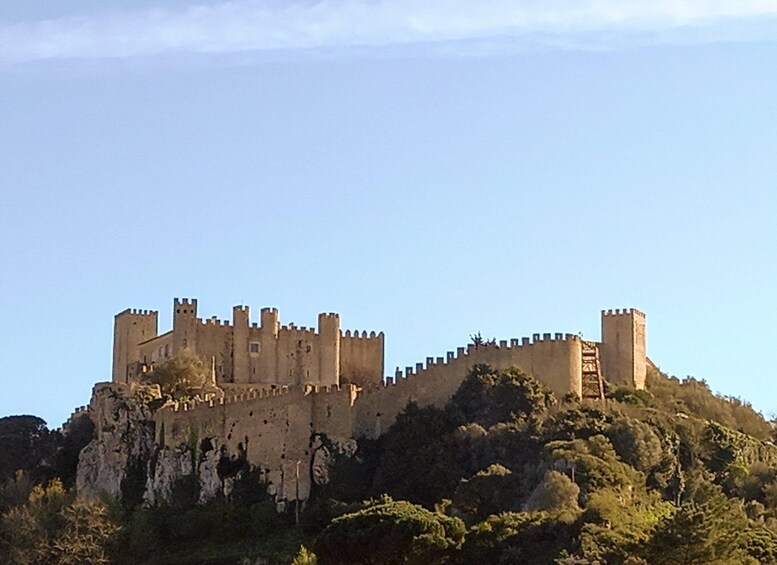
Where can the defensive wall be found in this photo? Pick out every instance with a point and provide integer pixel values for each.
(273, 427)
(554, 359)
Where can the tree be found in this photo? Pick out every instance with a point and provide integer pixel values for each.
(708, 529)
(416, 463)
(15, 491)
(78, 433)
(305, 557)
(26, 444)
(85, 535)
(557, 495)
(54, 529)
(488, 397)
(490, 491)
(388, 532)
(516, 537)
(180, 375)
(636, 443)
(594, 464)
(617, 523)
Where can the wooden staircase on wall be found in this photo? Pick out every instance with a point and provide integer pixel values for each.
(593, 385)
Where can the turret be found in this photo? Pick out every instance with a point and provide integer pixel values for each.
(329, 350)
(268, 346)
(184, 324)
(624, 347)
(130, 328)
(269, 319)
(240, 364)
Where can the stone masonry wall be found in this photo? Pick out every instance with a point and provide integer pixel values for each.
(273, 427)
(555, 360)
(361, 358)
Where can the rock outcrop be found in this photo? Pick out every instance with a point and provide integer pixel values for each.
(124, 439)
(125, 460)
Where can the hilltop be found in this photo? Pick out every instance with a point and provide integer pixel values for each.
(506, 472)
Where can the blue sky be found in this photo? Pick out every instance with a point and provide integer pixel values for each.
(427, 169)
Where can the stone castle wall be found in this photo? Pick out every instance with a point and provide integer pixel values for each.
(273, 428)
(361, 358)
(555, 360)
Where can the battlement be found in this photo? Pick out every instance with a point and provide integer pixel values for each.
(261, 394)
(254, 394)
(623, 312)
(269, 310)
(214, 321)
(355, 334)
(292, 328)
(315, 389)
(484, 353)
(76, 413)
(137, 312)
(186, 307)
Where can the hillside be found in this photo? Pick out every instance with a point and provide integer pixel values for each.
(505, 473)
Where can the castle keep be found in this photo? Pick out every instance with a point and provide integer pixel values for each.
(251, 354)
(285, 385)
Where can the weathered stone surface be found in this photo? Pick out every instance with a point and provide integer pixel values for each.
(125, 434)
(171, 465)
(210, 484)
(325, 451)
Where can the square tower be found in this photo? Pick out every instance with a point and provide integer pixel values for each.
(624, 347)
(130, 328)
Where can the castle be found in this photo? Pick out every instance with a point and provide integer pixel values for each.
(284, 384)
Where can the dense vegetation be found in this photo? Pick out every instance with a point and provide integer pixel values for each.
(505, 474)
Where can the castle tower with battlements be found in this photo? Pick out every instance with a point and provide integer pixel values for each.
(258, 355)
(130, 329)
(624, 347)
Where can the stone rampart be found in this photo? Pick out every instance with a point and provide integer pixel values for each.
(272, 427)
(554, 359)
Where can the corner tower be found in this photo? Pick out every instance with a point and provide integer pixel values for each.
(130, 328)
(624, 347)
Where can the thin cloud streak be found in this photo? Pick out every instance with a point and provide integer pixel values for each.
(241, 26)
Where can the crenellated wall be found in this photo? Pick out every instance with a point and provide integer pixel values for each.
(274, 427)
(554, 359)
(361, 360)
(213, 339)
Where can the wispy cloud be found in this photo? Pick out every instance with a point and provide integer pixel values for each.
(247, 25)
